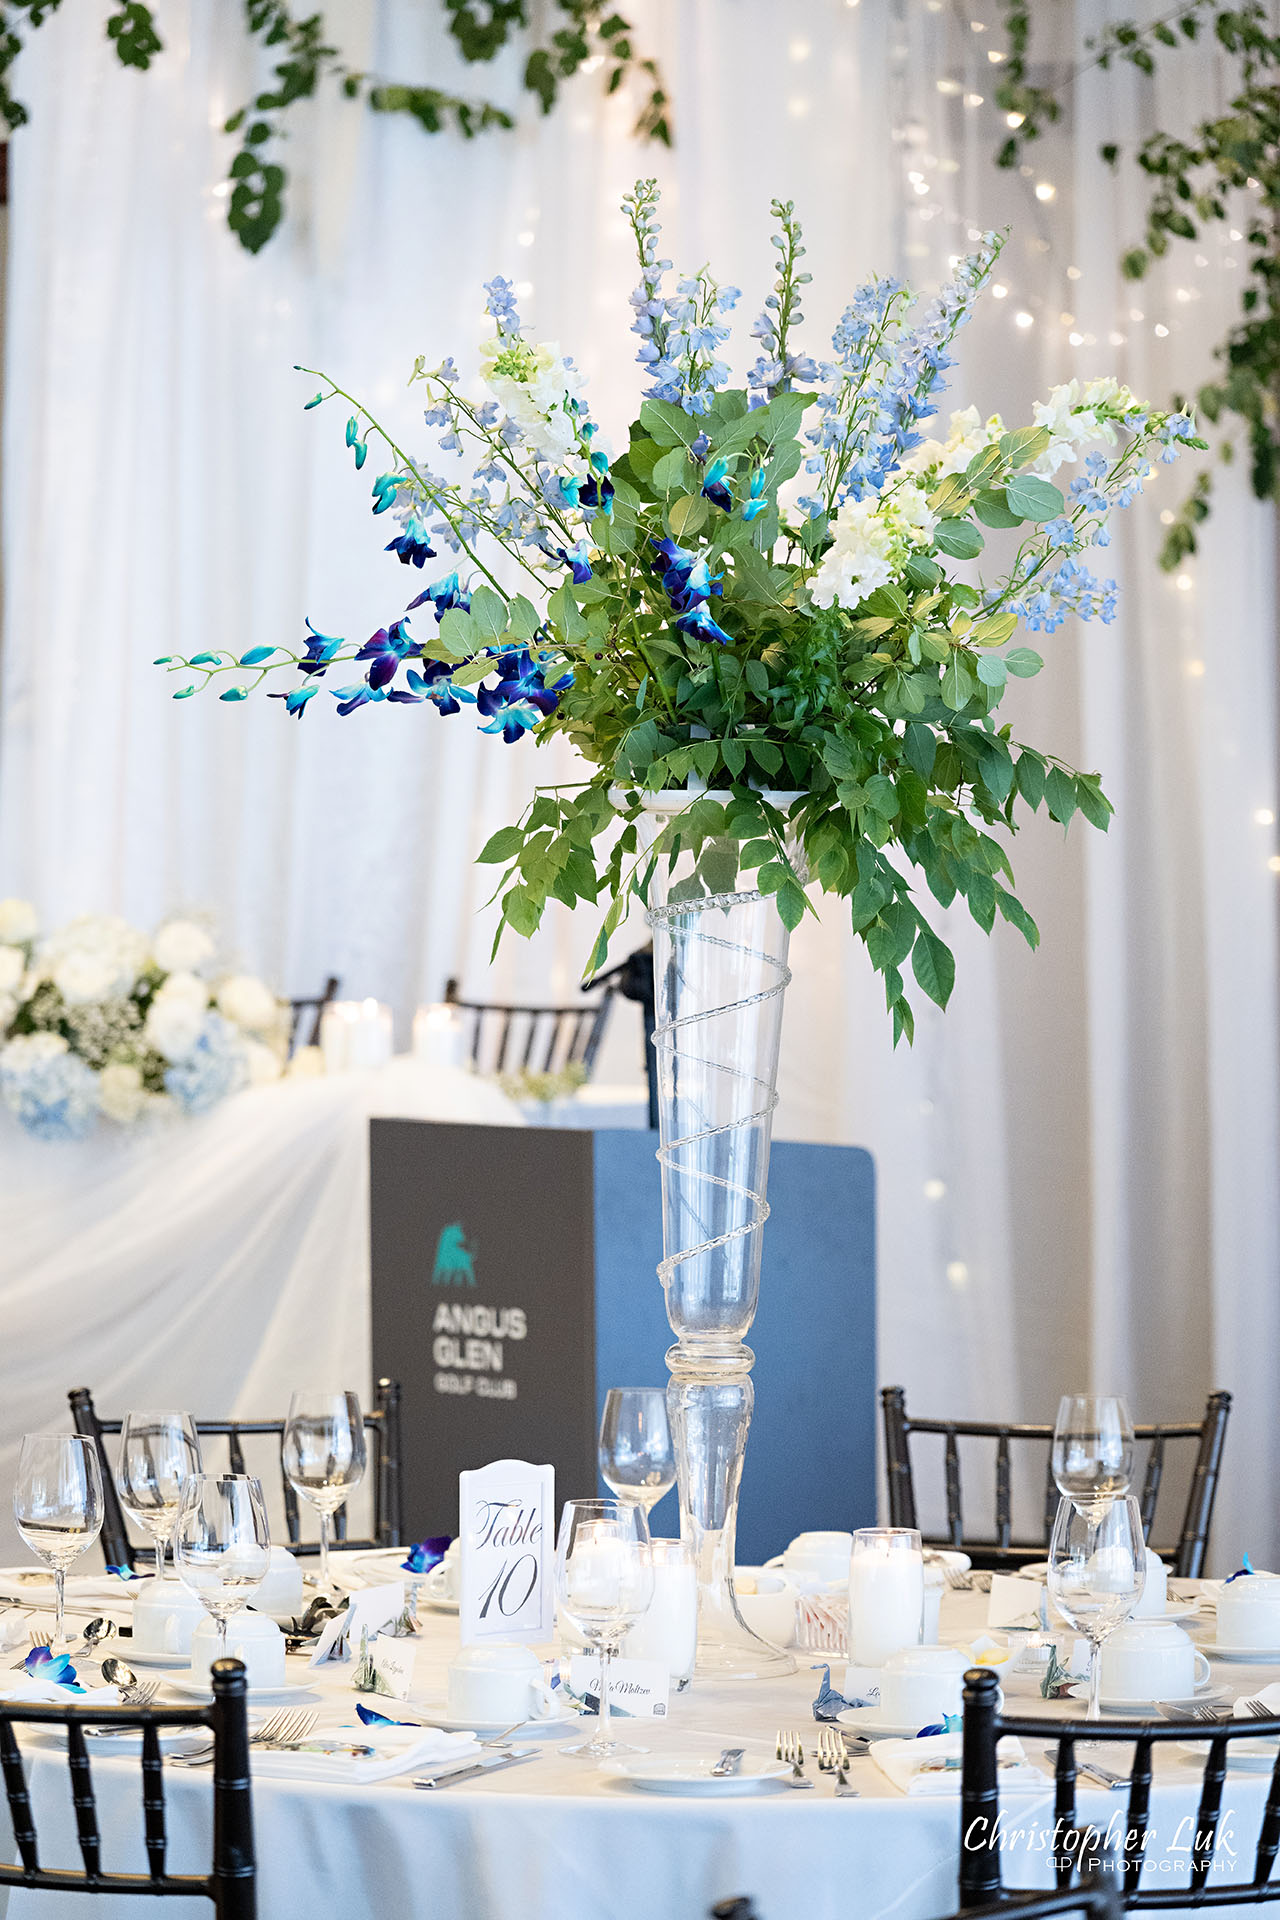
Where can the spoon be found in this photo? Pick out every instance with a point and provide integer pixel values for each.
(95, 1633)
(116, 1674)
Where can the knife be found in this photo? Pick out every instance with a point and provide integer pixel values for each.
(515, 1758)
(728, 1763)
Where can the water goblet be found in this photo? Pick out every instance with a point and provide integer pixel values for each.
(604, 1583)
(159, 1452)
(636, 1457)
(1092, 1448)
(57, 1504)
(324, 1456)
(222, 1544)
(1097, 1569)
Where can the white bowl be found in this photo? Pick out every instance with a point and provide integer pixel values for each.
(771, 1610)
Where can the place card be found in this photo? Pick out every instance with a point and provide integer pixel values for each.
(386, 1666)
(506, 1549)
(1015, 1602)
(369, 1611)
(638, 1689)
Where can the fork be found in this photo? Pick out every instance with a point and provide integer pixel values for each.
(40, 1637)
(290, 1724)
(958, 1579)
(789, 1748)
(833, 1757)
(1200, 1711)
(1258, 1709)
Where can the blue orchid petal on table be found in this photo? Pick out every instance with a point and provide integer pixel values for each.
(425, 1554)
(126, 1572)
(41, 1664)
(369, 1718)
(952, 1723)
(1241, 1572)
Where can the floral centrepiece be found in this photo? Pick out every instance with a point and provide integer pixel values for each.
(772, 586)
(100, 1020)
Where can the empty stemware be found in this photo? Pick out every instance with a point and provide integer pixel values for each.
(604, 1583)
(159, 1452)
(1092, 1448)
(637, 1460)
(222, 1545)
(57, 1504)
(1097, 1569)
(324, 1456)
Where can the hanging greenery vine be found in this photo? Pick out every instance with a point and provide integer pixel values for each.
(1226, 169)
(482, 30)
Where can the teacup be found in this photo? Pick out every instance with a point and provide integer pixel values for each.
(497, 1686)
(817, 1557)
(442, 1581)
(1155, 1590)
(921, 1685)
(767, 1602)
(1249, 1611)
(165, 1615)
(251, 1637)
(1150, 1660)
(280, 1594)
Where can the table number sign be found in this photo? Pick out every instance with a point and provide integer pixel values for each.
(507, 1552)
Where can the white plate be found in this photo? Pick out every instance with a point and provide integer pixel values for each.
(1205, 1696)
(1248, 1656)
(867, 1720)
(126, 1651)
(199, 1689)
(691, 1773)
(1251, 1756)
(440, 1717)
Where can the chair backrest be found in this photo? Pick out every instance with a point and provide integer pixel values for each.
(314, 1005)
(634, 980)
(382, 1423)
(1004, 1551)
(230, 1884)
(985, 1726)
(1096, 1896)
(506, 1038)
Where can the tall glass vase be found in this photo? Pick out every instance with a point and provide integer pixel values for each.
(720, 970)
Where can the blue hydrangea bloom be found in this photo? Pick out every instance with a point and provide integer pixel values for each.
(216, 1066)
(53, 1094)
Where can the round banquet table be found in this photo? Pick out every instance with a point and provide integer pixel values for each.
(556, 1840)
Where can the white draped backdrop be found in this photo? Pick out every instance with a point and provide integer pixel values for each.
(1077, 1165)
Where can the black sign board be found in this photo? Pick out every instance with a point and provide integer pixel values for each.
(483, 1264)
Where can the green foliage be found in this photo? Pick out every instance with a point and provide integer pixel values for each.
(1227, 170)
(305, 57)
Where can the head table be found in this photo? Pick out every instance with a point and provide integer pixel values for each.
(555, 1840)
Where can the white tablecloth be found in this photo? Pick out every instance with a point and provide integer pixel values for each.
(554, 1840)
(213, 1264)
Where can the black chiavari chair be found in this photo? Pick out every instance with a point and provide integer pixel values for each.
(633, 978)
(1096, 1897)
(506, 1038)
(382, 1424)
(1006, 1552)
(315, 1006)
(985, 1726)
(230, 1884)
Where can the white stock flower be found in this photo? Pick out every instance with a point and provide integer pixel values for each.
(910, 503)
(18, 921)
(860, 558)
(181, 946)
(175, 1017)
(264, 1063)
(533, 385)
(12, 968)
(968, 435)
(249, 1003)
(121, 1094)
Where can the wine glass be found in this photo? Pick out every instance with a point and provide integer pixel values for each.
(324, 1456)
(636, 1457)
(1097, 1570)
(1092, 1448)
(57, 1504)
(222, 1545)
(604, 1582)
(159, 1452)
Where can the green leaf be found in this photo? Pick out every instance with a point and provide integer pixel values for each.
(994, 630)
(992, 509)
(687, 514)
(1025, 662)
(521, 910)
(472, 672)
(922, 572)
(501, 846)
(920, 749)
(488, 614)
(1029, 775)
(904, 1022)
(524, 618)
(959, 538)
(1032, 498)
(997, 767)
(756, 675)
(669, 426)
(718, 865)
(791, 904)
(1024, 444)
(889, 937)
(958, 685)
(1093, 802)
(992, 671)
(669, 472)
(1060, 794)
(1015, 913)
(933, 965)
(456, 639)
(734, 755)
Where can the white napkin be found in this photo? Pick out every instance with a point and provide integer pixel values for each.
(1269, 1696)
(932, 1765)
(25, 1686)
(102, 1589)
(400, 1750)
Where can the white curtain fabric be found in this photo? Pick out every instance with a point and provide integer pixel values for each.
(1076, 1164)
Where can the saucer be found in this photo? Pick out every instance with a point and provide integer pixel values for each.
(867, 1720)
(132, 1657)
(1205, 1696)
(199, 1689)
(691, 1773)
(1247, 1656)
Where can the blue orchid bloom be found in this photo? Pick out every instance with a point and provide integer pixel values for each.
(384, 492)
(413, 546)
(433, 684)
(714, 488)
(702, 627)
(597, 492)
(952, 1723)
(1241, 1572)
(320, 650)
(579, 559)
(295, 702)
(127, 1573)
(512, 722)
(443, 594)
(755, 502)
(387, 648)
(369, 1718)
(522, 690)
(425, 1554)
(349, 698)
(41, 1664)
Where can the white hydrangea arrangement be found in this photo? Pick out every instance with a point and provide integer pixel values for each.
(98, 1019)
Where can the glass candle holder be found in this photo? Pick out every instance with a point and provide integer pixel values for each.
(438, 1036)
(668, 1631)
(886, 1594)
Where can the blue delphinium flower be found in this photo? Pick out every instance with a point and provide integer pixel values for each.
(1071, 589)
(500, 301)
(216, 1066)
(1060, 533)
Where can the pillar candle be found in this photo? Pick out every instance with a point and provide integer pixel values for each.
(886, 1594)
(668, 1631)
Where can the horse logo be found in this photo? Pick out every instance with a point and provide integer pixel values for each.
(454, 1266)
